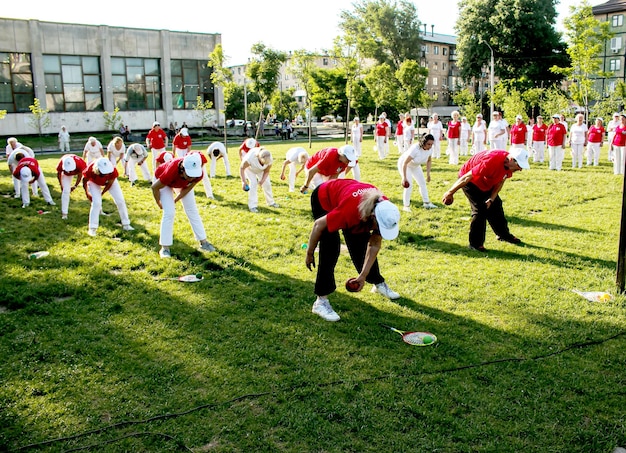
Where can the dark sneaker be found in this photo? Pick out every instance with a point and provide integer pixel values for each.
(478, 248)
(510, 239)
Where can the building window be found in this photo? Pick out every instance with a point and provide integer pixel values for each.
(136, 83)
(435, 66)
(444, 51)
(435, 81)
(16, 82)
(617, 20)
(325, 61)
(72, 83)
(615, 64)
(616, 44)
(443, 66)
(435, 50)
(190, 79)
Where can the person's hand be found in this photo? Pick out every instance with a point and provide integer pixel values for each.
(303, 189)
(282, 176)
(310, 261)
(72, 188)
(447, 199)
(489, 202)
(428, 178)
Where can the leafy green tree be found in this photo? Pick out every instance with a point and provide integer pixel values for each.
(586, 36)
(412, 81)
(510, 101)
(221, 77)
(329, 91)
(533, 97)
(284, 104)
(263, 71)
(386, 30)
(113, 120)
(383, 86)
(203, 110)
(3, 113)
(468, 103)
(362, 101)
(39, 119)
(554, 101)
(521, 34)
(302, 65)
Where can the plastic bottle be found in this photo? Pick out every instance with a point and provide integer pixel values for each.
(37, 255)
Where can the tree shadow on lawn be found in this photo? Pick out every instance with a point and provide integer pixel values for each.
(522, 221)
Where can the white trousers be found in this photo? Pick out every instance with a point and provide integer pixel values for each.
(437, 147)
(132, 172)
(293, 167)
(478, 142)
(556, 155)
(464, 146)
(180, 152)
(253, 182)
(539, 148)
(593, 153)
(65, 146)
(96, 203)
(497, 144)
(214, 163)
(66, 182)
(381, 146)
(453, 151)
(41, 182)
(400, 144)
(577, 154)
(206, 182)
(413, 173)
(618, 160)
(169, 211)
(155, 154)
(356, 142)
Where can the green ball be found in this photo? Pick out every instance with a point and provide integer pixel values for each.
(198, 276)
(427, 339)
(304, 246)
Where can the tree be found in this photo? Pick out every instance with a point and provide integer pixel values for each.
(383, 86)
(284, 104)
(554, 101)
(302, 67)
(329, 91)
(469, 105)
(203, 110)
(586, 36)
(114, 120)
(386, 30)
(221, 77)
(510, 101)
(533, 98)
(39, 119)
(3, 113)
(520, 32)
(263, 71)
(412, 81)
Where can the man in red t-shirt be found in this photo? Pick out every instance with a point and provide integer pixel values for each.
(518, 133)
(99, 178)
(481, 179)
(181, 145)
(27, 171)
(400, 133)
(366, 217)
(174, 181)
(556, 136)
(327, 164)
(157, 141)
(69, 166)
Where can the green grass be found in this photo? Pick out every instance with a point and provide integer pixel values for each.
(90, 339)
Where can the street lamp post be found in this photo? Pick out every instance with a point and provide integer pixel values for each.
(491, 77)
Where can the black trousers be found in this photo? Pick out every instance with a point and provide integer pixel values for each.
(329, 248)
(481, 215)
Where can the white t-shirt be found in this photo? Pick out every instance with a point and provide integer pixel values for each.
(357, 132)
(64, 136)
(136, 151)
(216, 145)
(408, 132)
(416, 155)
(252, 157)
(114, 151)
(436, 129)
(495, 127)
(293, 154)
(94, 150)
(479, 128)
(9, 148)
(578, 133)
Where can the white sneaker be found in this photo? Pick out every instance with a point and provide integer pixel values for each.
(406, 208)
(207, 246)
(64, 217)
(429, 205)
(17, 195)
(254, 210)
(25, 205)
(274, 205)
(128, 228)
(165, 253)
(52, 203)
(92, 232)
(322, 308)
(385, 290)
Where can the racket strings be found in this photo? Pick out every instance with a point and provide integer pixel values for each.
(414, 338)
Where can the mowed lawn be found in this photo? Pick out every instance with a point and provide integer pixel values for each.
(100, 351)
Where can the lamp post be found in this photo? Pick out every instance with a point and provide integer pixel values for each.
(491, 77)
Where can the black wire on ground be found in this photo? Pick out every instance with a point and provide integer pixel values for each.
(291, 389)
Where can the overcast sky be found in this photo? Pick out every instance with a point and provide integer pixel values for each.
(300, 24)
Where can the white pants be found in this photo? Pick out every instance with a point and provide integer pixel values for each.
(132, 173)
(41, 181)
(206, 182)
(155, 154)
(66, 186)
(556, 155)
(400, 144)
(96, 203)
(539, 148)
(253, 182)
(356, 142)
(413, 173)
(611, 136)
(437, 147)
(618, 160)
(214, 162)
(65, 146)
(381, 146)
(453, 151)
(169, 210)
(478, 142)
(497, 144)
(464, 147)
(593, 153)
(293, 168)
(180, 152)
(577, 154)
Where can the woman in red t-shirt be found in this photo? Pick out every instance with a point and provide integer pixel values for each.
(619, 146)
(366, 217)
(382, 132)
(595, 137)
(454, 137)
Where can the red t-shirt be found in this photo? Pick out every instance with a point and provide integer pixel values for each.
(454, 129)
(80, 165)
(518, 134)
(618, 140)
(596, 134)
(539, 132)
(381, 129)
(556, 134)
(340, 198)
(400, 128)
(327, 161)
(245, 148)
(160, 160)
(29, 162)
(101, 180)
(182, 141)
(487, 169)
(157, 138)
(169, 174)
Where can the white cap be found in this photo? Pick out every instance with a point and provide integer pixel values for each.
(556, 115)
(104, 165)
(519, 117)
(167, 156)
(26, 173)
(69, 164)
(192, 163)
(388, 219)
(521, 156)
(251, 143)
(184, 132)
(156, 123)
(349, 153)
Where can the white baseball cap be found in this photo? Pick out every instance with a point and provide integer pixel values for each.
(26, 173)
(156, 123)
(349, 153)
(104, 165)
(521, 156)
(388, 219)
(69, 164)
(167, 156)
(251, 143)
(519, 117)
(192, 163)
(184, 132)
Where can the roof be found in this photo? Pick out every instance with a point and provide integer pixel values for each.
(612, 6)
(440, 38)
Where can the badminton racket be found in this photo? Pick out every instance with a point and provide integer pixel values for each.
(414, 338)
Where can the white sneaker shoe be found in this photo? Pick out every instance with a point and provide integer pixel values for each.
(254, 210)
(165, 253)
(207, 246)
(92, 232)
(274, 205)
(429, 205)
(128, 228)
(406, 208)
(64, 217)
(323, 309)
(383, 289)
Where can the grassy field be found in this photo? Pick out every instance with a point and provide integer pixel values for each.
(98, 354)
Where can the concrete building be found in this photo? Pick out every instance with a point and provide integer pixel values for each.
(80, 71)
(440, 58)
(613, 55)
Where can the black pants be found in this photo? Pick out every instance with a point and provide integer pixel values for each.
(481, 215)
(329, 248)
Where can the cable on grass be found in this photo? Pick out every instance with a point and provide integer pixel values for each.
(180, 445)
(294, 388)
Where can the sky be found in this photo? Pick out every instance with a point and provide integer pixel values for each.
(302, 24)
